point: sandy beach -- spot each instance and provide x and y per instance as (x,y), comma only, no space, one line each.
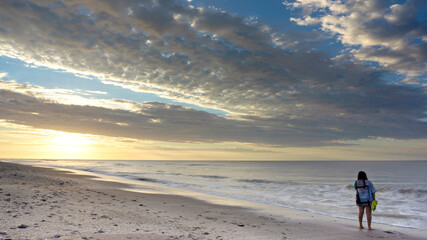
(42,203)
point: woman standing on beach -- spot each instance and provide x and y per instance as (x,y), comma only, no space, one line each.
(365,195)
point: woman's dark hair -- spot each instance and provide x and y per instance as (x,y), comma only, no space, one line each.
(362,176)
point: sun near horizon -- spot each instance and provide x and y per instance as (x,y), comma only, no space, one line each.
(50,144)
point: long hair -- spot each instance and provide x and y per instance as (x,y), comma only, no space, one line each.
(362,176)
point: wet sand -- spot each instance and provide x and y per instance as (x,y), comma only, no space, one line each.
(42,203)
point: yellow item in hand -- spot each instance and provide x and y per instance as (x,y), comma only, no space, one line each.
(374,205)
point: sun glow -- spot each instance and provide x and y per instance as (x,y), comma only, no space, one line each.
(71,144)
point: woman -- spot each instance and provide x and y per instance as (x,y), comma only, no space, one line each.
(365,195)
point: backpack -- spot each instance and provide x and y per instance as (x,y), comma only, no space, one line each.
(358,201)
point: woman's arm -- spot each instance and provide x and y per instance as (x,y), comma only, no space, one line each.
(373,196)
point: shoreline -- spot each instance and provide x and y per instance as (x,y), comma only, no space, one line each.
(44,203)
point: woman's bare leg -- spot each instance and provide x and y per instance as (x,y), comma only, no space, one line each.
(369,216)
(361,208)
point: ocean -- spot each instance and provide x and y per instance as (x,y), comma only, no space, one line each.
(317,186)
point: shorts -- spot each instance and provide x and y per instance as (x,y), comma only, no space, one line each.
(364,204)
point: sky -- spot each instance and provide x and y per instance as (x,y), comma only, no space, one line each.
(213,79)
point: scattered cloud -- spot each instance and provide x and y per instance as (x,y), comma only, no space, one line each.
(67,96)
(388,32)
(276,92)
(3,75)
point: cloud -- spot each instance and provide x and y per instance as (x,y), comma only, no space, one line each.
(394,35)
(3,75)
(155,121)
(66,96)
(277,94)
(174,123)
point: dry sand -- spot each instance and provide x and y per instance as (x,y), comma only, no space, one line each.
(42,203)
